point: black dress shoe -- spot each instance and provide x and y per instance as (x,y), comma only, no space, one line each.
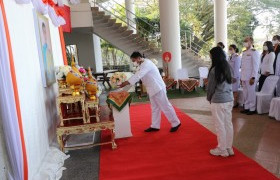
(251,112)
(245,111)
(236,106)
(174,129)
(150,129)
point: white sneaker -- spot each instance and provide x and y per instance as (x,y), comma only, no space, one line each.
(219,152)
(230,151)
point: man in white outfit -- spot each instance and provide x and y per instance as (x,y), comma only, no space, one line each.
(156,89)
(249,74)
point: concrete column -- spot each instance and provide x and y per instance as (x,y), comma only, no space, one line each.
(220,21)
(170,33)
(97,53)
(130,14)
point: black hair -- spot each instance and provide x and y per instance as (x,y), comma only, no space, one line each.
(270,49)
(222,68)
(221,44)
(269,46)
(276,37)
(233,46)
(136,54)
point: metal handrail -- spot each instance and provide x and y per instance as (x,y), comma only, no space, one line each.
(139,30)
(135,15)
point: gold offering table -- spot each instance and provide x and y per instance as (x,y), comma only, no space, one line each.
(106,122)
(71,108)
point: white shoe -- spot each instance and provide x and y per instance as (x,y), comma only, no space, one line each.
(219,152)
(230,151)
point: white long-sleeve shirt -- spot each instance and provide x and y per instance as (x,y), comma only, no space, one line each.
(277,68)
(150,76)
(267,63)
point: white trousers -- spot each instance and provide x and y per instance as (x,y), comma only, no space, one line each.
(249,94)
(222,114)
(159,102)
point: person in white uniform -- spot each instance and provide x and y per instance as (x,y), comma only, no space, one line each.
(235,64)
(249,73)
(156,89)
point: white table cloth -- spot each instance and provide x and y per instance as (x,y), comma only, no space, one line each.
(122,122)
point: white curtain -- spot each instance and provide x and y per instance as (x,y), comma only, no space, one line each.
(23,1)
(8,111)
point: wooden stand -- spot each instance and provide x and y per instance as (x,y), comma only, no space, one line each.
(66,103)
(76,127)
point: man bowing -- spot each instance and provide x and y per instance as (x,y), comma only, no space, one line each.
(156,89)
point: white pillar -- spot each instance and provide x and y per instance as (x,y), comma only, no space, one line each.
(97,53)
(130,14)
(170,33)
(220,21)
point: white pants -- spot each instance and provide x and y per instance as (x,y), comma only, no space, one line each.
(159,102)
(222,114)
(249,94)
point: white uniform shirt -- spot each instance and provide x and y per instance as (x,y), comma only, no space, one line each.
(150,76)
(235,63)
(277,68)
(250,64)
(267,63)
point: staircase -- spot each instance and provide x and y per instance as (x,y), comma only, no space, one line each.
(111,25)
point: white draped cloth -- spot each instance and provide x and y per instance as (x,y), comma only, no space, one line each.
(274,110)
(23,1)
(8,111)
(40,6)
(56,19)
(267,93)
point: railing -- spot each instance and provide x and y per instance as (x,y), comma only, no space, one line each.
(153,34)
(110,8)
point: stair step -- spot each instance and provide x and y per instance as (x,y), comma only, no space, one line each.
(117,25)
(111,22)
(134,36)
(127,33)
(122,29)
(94,9)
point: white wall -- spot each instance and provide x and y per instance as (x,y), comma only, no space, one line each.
(38,104)
(84,43)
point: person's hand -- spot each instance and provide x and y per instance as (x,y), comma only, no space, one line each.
(124,84)
(252,81)
(234,80)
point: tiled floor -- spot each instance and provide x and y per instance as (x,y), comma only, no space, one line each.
(256,136)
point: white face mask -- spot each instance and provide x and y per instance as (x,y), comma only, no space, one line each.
(274,42)
(135,64)
(265,48)
(231,52)
(246,44)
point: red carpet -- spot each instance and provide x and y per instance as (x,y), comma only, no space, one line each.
(173,156)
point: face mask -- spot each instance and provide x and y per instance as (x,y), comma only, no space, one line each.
(135,64)
(231,52)
(274,42)
(265,48)
(245,44)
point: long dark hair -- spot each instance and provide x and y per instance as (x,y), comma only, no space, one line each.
(270,49)
(222,68)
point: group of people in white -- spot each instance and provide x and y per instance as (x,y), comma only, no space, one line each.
(226,75)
